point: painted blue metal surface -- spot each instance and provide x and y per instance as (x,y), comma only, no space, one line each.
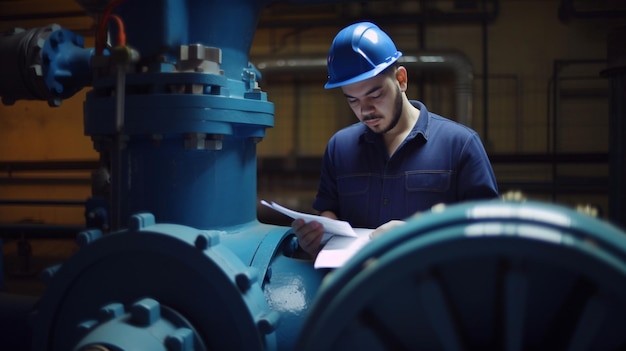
(183,147)
(237,289)
(489,276)
(204,189)
(47,63)
(66,63)
(144,325)
(188,153)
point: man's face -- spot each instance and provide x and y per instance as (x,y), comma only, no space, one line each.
(377,102)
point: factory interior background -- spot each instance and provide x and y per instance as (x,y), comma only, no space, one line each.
(536,96)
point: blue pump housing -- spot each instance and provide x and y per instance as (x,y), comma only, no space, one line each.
(192,114)
(176,116)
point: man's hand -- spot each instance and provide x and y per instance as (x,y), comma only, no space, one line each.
(309,235)
(385,227)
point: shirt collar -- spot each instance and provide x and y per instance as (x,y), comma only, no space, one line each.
(423,122)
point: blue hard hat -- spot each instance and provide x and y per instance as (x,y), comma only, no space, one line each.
(358,52)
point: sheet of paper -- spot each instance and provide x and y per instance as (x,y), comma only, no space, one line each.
(331,226)
(339,249)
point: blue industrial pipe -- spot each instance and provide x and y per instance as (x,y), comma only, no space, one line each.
(51,65)
(489,275)
(193,114)
(237,290)
(176,114)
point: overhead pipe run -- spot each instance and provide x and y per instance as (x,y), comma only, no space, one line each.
(452,61)
(616,73)
(382,12)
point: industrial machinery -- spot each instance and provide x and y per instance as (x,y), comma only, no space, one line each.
(479,276)
(175,114)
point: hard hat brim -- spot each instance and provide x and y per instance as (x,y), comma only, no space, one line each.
(366,75)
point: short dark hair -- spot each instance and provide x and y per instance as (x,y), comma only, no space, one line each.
(391,70)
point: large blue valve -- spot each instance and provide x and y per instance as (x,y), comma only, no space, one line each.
(479,276)
(157,285)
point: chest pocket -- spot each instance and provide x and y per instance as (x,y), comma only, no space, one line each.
(436,181)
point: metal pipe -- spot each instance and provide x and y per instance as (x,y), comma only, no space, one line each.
(338,18)
(454,61)
(44,231)
(42,202)
(47,63)
(616,71)
(192,114)
(45,165)
(485,37)
(568,10)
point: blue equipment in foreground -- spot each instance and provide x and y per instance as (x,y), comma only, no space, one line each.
(176,115)
(488,275)
(479,276)
(157,284)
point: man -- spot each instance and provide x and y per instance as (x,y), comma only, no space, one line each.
(400,159)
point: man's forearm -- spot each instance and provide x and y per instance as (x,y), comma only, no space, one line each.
(329,214)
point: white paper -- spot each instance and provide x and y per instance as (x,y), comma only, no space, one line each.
(340,240)
(331,226)
(339,249)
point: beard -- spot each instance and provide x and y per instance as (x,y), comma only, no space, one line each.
(396,113)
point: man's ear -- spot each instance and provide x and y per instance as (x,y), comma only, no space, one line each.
(401,76)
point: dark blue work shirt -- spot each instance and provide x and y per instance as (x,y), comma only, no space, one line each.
(440,161)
